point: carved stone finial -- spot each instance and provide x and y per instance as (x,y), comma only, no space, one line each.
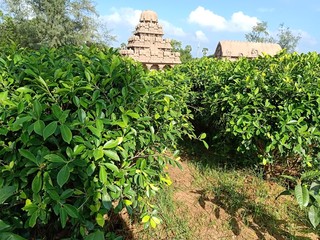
(149,16)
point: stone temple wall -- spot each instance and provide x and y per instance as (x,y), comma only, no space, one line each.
(148,46)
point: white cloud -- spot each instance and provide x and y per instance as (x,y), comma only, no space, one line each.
(201,36)
(206,18)
(122,16)
(170,29)
(130,17)
(122,22)
(239,22)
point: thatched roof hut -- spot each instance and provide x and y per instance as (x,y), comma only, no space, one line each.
(235,49)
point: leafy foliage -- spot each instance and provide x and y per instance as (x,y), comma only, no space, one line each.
(7,28)
(269,103)
(266,107)
(285,37)
(53,23)
(185,53)
(259,33)
(83,134)
(307,194)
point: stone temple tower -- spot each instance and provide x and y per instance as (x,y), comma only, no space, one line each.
(148,46)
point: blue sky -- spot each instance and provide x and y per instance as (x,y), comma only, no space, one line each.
(203,23)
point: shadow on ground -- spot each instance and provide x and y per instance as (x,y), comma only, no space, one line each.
(241,207)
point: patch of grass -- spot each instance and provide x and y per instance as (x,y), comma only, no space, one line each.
(174,225)
(243,194)
(238,201)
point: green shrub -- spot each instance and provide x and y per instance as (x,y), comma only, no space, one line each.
(270,104)
(267,107)
(83,134)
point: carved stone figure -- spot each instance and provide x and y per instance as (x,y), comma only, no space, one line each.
(148,46)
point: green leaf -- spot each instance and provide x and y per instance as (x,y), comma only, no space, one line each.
(78,149)
(3,226)
(36,183)
(87,73)
(28,155)
(66,133)
(95,131)
(20,121)
(3,96)
(57,112)
(24,90)
(54,195)
(20,107)
(113,143)
(100,220)
(112,167)
(54,158)
(63,216)
(143,164)
(67,193)
(10,236)
(314,216)
(156,220)
(63,175)
(202,136)
(90,169)
(153,223)
(97,235)
(103,175)
(71,210)
(152,130)
(98,153)
(49,129)
(112,154)
(37,108)
(145,219)
(81,115)
(63,117)
(205,144)
(6,192)
(127,202)
(106,200)
(133,114)
(43,83)
(302,195)
(39,127)
(33,218)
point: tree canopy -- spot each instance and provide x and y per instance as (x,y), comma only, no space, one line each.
(284,37)
(185,53)
(53,23)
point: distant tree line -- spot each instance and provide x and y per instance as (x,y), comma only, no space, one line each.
(284,37)
(53,23)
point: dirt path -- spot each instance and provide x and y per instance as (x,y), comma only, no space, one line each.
(208,220)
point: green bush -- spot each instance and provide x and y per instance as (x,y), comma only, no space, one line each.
(269,104)
(83,134)
(268,108)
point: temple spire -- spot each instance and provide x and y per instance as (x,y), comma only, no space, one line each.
(148,46)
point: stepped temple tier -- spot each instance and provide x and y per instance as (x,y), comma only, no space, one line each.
(148,46)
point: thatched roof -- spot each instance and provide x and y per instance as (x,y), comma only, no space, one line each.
(236,49)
